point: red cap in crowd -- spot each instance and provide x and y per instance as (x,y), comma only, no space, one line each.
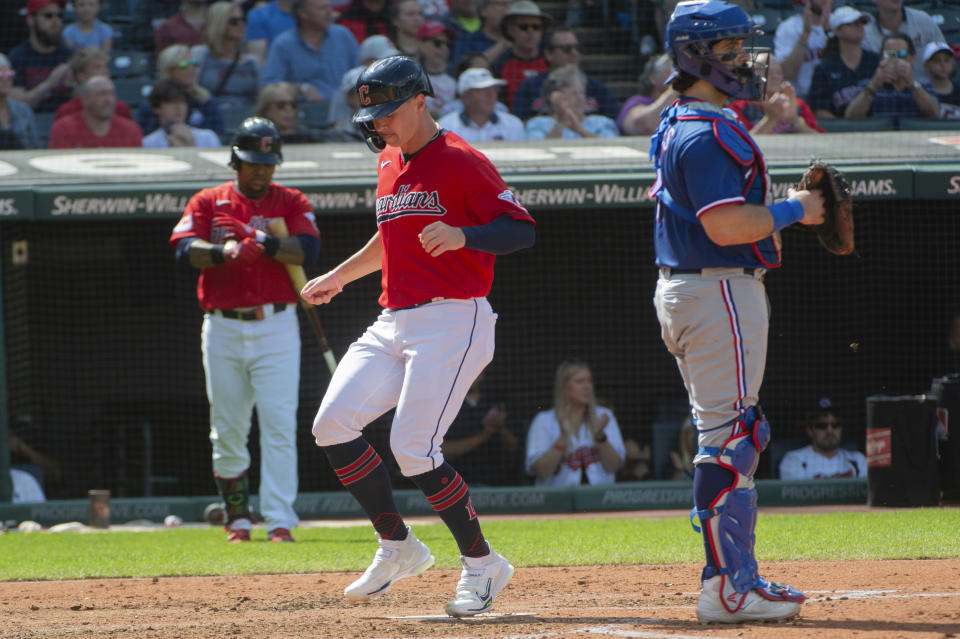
(35,5)
(432,28)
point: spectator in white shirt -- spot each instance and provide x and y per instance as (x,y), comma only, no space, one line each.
(824,458)
(799,41)
(480,121)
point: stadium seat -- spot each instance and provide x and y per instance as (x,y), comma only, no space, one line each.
(132,90)
(948,19)
(315,115)
(127,64)
(234,111)
(44,122)
(926,124)
(115,11)
(841,125)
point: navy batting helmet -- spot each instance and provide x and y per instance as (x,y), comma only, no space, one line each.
(256,141)
(694,27)
(382,88)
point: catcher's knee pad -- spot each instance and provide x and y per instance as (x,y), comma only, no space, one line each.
(741,451)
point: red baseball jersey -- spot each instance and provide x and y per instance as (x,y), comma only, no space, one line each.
(451,182)
(238,284)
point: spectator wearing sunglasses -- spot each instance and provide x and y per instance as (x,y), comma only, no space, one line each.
(43,79)
(560,48)
(893,91)
(183,27)
(523,25)
(226,69)
(436,41)
(203,111)
(892,17)
(825,457)
(279,103)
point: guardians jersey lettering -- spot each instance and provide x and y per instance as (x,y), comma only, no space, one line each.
(406,202)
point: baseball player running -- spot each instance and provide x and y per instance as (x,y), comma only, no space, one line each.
(443,213)
(716,233)
(250,338)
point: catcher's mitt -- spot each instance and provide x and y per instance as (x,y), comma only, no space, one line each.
(836,231)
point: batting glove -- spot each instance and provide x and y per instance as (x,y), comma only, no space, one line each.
(246,251)
(238,229)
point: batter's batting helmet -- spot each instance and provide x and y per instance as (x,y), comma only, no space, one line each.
(256,141)
(382,88)
(694,27)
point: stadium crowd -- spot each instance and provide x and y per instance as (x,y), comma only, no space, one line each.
(83,75)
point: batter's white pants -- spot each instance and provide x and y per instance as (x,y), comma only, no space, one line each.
(421,361)
(715,324)
(251,363)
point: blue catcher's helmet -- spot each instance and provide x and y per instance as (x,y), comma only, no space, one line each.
(694,27)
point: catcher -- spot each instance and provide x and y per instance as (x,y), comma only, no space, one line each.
(836,231)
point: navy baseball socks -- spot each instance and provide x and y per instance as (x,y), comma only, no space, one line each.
(485,573)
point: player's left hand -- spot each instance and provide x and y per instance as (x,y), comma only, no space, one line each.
(438,238)
(232,225)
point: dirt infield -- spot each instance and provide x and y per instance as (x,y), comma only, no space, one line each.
(864,599)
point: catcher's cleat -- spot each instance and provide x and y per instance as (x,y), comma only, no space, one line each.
(238,535)
(280,535)
(394,560)
(481,580)
(720,603)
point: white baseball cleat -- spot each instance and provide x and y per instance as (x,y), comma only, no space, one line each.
(752,606)
(395,560)
(481,580)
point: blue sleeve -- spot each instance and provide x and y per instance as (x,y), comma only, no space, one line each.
(145,118)
(311,248)
(703,156)
(274,66)
(524,97)
(182,253)
(503,235)
(537,127)
(256,25)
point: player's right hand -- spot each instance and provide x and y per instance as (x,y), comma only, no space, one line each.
(812,202)
(246,251)
(322,289)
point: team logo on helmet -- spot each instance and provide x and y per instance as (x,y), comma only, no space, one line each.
(266,144)
(363,94)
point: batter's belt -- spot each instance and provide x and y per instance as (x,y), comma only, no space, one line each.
(254,314)
(718,272)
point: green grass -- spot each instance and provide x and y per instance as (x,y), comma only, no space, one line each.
(913,534)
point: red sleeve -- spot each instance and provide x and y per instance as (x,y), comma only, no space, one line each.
(196,218)
(60,135)
(807,114)
(488,197)
(299,214)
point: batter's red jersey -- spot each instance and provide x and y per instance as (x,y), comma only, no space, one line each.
(238,284)
(451,182)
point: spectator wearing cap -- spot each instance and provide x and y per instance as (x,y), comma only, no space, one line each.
(177,63)
(98,124)
(170,104)
(488,39)
(941,64)
(523,25)
(43,79)
(471,61)
(365,18)
(18,126)
(915,24)
(893,91)
(85,64)
(183,27)
(479,121)
(404,20)
(799,41)
(343,129)
(781,111)
(560,48)
(566,97)
(225,68)
(844,65)
(266,22)
(436,40)
(315,55)
(373,48)
(280,103)
(824,457)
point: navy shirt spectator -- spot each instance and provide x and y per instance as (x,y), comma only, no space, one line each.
(315,55)
(177,64)
(561,48)
(836,80)
(43,78)
(893,91)
(265,23)
(488,39)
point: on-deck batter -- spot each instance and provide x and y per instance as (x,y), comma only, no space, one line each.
(250,338)
(443,213)
(715,235)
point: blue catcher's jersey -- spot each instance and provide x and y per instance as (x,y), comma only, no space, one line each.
(704,158)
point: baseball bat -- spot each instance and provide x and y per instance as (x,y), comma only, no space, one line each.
(298,277)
